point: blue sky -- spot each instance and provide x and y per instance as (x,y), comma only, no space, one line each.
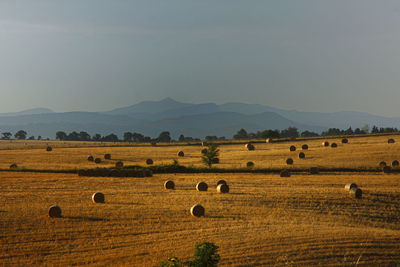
(94,55)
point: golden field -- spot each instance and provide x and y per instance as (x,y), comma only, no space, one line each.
(265,219)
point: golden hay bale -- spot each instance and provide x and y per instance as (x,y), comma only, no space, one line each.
(350,186)
(395,163)
(98,197)
(304,147)
(325,143)
(55,211)
(387,169)
(14,166)
(202,186)
(314,170)
(345,141)
(268,140)
(355,192)
(284,173)
(250,164)
(289,161)
(223,188)
(249,146)
(382,164)
(90,158)
(49,148)
(107,156)
(181,154)
(197,210)
(302,155)
(333,145)
(292,148)
(119,164)
(215,160)
(221,182)
(97,160)
(390,141)
(148,173)
(204,151)
(169,184)
(149,162)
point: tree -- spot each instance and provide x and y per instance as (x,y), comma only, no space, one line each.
(181,138)
(6,135)
(73,136)
(309,134)
(137,137)
(164,137)
(31,138)
(97,137)
(241,134)
(84,136)
(210,154)
(290,132)
(21,135)
(111,138)
(375,129)
(128,137)
(205,255)
(269,134)
(60,135)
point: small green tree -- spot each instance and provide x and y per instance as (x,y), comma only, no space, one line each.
(210,154)
(205,255)
(21,135)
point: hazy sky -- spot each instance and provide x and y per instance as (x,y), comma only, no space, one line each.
(94,55)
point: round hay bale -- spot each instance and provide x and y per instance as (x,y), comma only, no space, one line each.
(285,173)
(345,141)
(149,162)
(98,197)
(204,151)
(215,160)
(119,164)
(304,147)
(333,145)
(289,161)
(90,158)
(387,169)
(382,164)
(314,170)
(223,188)
(292,148)
(107,156)
(325,143)
(202,186)
(148,173)
(197,210)
(97,160)
(302,155)
(350,186)
(355,192)
(250,164)
(249,146)
(221,182)
(55,211)
(395,163)
(181,154)
(14,166)
(390,141)
(268,140)
(169,185)
(49,149)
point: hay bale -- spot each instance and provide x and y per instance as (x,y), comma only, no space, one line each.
(197,210)
(268,140)
(349,186)
(202,186)
(285,173)
(325,143)
(387,169)
(250,164)
(119,164)
(215,160)
(391,141)
(223,188)
(304,147)
(97,160)
(292,148)
(289,161)
(221,182)
(107,156)
(302,155)
(382,164)
(149,162)
(333,145)
(314,170)
(55,211)
(249,146)
(204,151)
(395,163)
(355,192)
(90,158)
(181,154)
(345,141)
(14,166)
(98,197)
(49,149)
(148,173)
(169,185)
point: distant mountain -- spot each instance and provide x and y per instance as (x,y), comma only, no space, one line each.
(28,112)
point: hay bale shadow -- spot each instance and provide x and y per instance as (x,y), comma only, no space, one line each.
(83,218)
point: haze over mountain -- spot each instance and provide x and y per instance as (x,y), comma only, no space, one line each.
(195,120)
